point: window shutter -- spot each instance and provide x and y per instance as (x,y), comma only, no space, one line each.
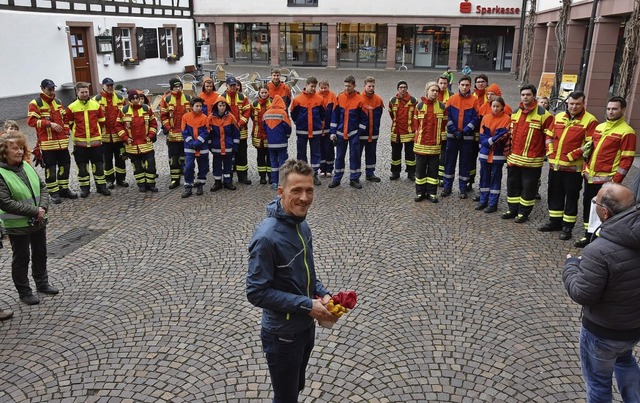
(163,43)
(117,44)
(140,43)
(180,49)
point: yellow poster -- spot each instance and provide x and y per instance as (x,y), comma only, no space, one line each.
(546,84)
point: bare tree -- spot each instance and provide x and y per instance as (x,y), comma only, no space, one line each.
(561,40)
(528,41)
(630,53)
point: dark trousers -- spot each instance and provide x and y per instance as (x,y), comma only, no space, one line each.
(427,174)
(443,152)
(563,194)
(473,162)
(94,156)
(240,161)
(114,151)
(590,191)
(490,182)
(522,185)
(458,151)
(287,358)
(263,161)
(409,157)
(190,168)
(314,150)
(354,158)
(56,169)
(34,244)
(327,154)
(369,150)
(175,151)
(277,157)
(222,167)
(144,168)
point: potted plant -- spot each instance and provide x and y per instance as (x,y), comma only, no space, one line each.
(131,61)
(173,57)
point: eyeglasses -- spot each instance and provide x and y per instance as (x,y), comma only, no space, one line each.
(594,201)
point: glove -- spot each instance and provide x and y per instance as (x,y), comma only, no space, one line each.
(123,154)
(458,135)
(586,149)
(153,138)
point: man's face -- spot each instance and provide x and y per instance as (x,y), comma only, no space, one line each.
(370,88)
(527,98)
(464,86)
(108,88)
(481,83)
(432,93)
(275,78)
(349,88)
(491,96)
(601,210)
(263,94)
(83,93)
(51,92)
(177,87)
(208,86)
(310,88)
(136,100)
(232,88)
(222,106)
(614,111)
(443,84)
(197,107)
(402,90)
(297,194)
(324,88)
(575,106)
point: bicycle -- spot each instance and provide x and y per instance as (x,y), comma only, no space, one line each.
(559,103)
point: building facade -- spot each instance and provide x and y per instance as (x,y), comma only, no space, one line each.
(362,33)
(602,76)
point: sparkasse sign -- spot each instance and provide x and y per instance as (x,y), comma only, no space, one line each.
(466,7)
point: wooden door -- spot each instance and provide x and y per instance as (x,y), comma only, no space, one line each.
(80,54)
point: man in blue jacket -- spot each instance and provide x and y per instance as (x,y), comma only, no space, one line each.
(281,280)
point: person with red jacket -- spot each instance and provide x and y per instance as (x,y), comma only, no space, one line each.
(443,96)
(494,130)
(348,123)
(373,107)
(224,141)
(46,115)
(429,124)
(208,95)
(277,125)
(327,153)
(307,112)
(259,135)
(172,107)
(195,133)
(137,127)
(401,110)
(240,108)
(531,126)
(112,145)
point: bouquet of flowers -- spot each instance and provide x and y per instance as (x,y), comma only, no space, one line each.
(340,304)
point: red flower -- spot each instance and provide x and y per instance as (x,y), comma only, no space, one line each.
(347,299)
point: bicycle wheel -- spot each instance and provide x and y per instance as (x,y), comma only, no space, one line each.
(557,105)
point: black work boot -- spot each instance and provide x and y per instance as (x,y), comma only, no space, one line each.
(199,191)
(187,192)
(217,185)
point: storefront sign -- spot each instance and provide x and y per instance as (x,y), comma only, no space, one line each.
(466,7)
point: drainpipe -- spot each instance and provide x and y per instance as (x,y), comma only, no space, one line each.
(587,48)
(523,16)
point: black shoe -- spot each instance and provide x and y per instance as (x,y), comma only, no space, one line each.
(481,206)
(48,289)
(491,209)
(520,218)
(476,198)
(355,183)
(373,178)
(334,184)
(142,188)
(582,242)
(242,178)
(566,234)
(316,181)
(187,192)
(537,196)
(508,215)
(470,187)
(550,226)
(263,180)
(420,197)
(110,185)
(174,184)
(84,193)
(55,198)
(199,190)
(230,186)
(463,195)
(217,185)
(30,299)
(394,176)
(445,192)
(433,198)
(122,184)
(411,177)
(68,194)
(152,188)
(103,191)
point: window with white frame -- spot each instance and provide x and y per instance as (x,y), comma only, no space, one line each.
(127,52)
(170,46)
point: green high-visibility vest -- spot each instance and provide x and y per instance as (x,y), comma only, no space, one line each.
(21,193)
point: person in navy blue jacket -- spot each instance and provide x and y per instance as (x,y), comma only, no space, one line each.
(281,279)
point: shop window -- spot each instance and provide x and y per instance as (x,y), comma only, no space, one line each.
(362,43)
(251,42)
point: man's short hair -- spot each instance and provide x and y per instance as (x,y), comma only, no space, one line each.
(323,81)
(369,79)
(276,70)
(312,80)
(482,76)
(531,87)
(82,85)
(350,80)
(612,200)
(195,100)
(464,78)
(444,76)
(620,100)
(293,166)
(577,95)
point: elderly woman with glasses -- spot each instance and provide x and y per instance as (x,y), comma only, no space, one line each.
(23,212)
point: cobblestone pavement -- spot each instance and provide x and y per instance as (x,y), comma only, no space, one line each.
(455,305)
